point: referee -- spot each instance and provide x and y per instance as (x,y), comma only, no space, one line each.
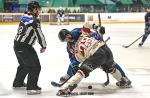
(29,31)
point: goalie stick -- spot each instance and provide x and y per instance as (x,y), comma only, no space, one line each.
(126,46)
(55,84)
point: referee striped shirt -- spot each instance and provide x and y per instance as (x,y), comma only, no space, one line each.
(29,31)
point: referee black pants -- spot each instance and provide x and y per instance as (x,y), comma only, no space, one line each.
(28,65)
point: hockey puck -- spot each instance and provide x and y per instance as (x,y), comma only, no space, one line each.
(90,87)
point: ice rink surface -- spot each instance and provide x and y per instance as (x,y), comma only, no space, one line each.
(135,62)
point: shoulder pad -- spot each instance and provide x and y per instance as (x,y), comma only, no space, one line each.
(26,18)
(76,33)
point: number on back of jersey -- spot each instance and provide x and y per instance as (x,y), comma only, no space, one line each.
(85,44)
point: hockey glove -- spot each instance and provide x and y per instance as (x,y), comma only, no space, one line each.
(101,30)
(94,27)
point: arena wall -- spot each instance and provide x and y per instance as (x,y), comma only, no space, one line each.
(79,18)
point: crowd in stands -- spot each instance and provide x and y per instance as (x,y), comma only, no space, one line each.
(137,6)
(66,11)
(102,10)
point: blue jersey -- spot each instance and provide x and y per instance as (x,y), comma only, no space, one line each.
(60,13)
(147,20)
(75,33)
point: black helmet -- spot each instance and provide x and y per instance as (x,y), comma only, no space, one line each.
(32,5)
(62,34)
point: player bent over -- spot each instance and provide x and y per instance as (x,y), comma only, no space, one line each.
(74,34)
(93,53)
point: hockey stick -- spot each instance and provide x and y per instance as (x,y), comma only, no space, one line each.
(107,39)
(126,46)
(99,19)
(107,82)
(55,84)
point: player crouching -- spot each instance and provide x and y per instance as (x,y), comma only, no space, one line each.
(92,54)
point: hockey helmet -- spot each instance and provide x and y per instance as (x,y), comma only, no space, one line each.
(148,9)
(32,5)
(62,34)
(86,27)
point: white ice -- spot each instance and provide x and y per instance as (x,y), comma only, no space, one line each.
(135,62)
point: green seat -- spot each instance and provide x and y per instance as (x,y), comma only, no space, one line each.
(146,2)
(46,3)
(1,4)
(126,1)
(111,6)
(87,2)
(62,3)
(106,2)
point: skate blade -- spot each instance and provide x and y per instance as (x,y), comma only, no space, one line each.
(33,92)
(127,86)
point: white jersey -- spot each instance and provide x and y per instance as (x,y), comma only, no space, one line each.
(86,46)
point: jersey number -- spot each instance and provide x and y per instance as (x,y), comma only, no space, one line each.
(84,44)
(20,29)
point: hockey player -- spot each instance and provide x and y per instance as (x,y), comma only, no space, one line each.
(60,17)
(93,53)
(75,33)
(29,31)
(73,66)
(147,27)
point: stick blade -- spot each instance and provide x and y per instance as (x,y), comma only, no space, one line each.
(125,46)
(106,83)
(55,84)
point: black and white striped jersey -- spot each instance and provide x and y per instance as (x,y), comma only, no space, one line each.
(29,31)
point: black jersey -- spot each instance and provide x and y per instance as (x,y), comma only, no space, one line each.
(29,31)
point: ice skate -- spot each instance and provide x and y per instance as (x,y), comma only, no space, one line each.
(124,83)
(34,91)
(67,91)
(24,85)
